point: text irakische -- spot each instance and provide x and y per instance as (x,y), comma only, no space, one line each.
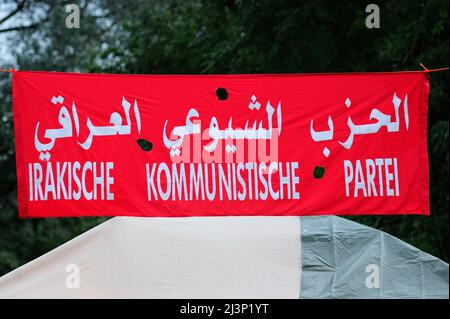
(67,181)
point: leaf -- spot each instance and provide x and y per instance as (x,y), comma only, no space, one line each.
(145,145)
(222,94)
(318,172)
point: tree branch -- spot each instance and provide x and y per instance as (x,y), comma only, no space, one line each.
(20,6)
(24,27)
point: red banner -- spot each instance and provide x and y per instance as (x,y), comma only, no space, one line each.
(191,145)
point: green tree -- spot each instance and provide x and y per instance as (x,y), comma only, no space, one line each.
(38,43)
(226,36)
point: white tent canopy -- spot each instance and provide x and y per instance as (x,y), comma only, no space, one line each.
(230,257)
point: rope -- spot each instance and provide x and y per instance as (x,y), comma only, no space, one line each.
(11,70)
(5,70)
(432,70)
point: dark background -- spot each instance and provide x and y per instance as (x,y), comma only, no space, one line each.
(205,36)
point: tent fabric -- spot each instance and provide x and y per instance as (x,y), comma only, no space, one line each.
(138,257)
(231,257)
(336,252)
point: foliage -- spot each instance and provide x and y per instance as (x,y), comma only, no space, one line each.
(225,36)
